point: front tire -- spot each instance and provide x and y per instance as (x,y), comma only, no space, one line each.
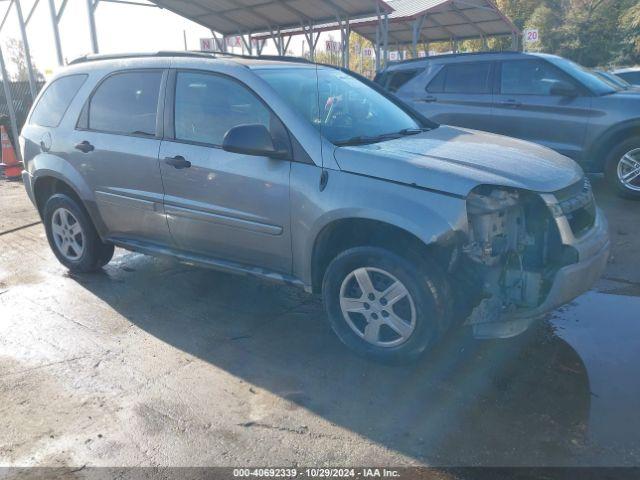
(622,168)
(72,236)
(383,306)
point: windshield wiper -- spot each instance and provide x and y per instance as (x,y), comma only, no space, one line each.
(367,139)
(413,131)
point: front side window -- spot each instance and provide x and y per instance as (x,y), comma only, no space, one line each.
(582,75)
(340,106)
(55,100)
(467,78)
(529,77)
(207,106)
(126,103)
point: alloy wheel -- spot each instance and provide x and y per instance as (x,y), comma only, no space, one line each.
(67,234)
(377,307)
(629,170)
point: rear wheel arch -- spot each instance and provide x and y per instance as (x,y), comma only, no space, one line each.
(343,234)
(598,152)
(46,186)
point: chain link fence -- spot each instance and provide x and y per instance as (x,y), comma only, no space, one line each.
(22,102)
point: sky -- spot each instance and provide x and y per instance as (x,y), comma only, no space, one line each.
(121,28)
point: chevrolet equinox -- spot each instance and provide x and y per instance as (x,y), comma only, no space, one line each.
(312,176)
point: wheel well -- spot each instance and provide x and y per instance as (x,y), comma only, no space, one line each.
(602,147)
(348,233)
(48,186)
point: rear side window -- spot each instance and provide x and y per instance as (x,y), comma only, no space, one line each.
(396,79)
(55,100)
(469,78)
(126,103)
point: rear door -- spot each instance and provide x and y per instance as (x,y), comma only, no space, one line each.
(459,94)
(526,108)
(115,147)
(225,205)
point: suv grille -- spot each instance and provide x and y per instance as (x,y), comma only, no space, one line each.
(576,202)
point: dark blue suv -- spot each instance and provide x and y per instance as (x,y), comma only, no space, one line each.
(536,97)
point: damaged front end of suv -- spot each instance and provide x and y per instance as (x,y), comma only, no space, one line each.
(526,253)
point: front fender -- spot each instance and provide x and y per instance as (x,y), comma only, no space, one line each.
(427,215)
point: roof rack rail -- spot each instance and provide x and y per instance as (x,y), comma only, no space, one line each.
(451,55)
(280,58)
(183,53)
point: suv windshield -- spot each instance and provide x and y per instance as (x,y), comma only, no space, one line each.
(585,76)
(344,109)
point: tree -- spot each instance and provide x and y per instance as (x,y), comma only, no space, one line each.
(630,36)
(547,22)
(16,56)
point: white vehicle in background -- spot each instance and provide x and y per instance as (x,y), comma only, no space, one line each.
(631,75)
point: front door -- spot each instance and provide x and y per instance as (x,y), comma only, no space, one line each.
(220,204)
(116,149)
(525,107)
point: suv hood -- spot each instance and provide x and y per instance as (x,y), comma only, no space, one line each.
(456,160)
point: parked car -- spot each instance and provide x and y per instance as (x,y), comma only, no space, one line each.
(314,177)
(631,75)
(541,98)
(615,79)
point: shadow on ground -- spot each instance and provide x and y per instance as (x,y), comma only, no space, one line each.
(519,402)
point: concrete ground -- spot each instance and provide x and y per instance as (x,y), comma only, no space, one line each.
(155,363)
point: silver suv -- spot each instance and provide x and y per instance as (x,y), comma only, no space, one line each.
(311,176)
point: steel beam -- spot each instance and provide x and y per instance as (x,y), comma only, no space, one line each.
(91,5)
(385,38)
(10,106)
(30,14)
(61,11)
(6,14)
(416,29)
(27,50)
(56,31)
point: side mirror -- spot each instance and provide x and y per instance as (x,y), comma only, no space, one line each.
(563,89)
(252,139)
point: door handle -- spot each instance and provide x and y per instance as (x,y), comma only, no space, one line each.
(511,103)
(178,162)
(85,147)
(429,99)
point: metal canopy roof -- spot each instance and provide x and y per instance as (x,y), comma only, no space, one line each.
(230,17)
(443,20)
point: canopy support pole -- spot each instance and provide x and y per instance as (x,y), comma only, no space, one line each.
(247,43)
(385,38)
(56,31)
(10,106)
(91,6)
(416,29)
(27,52)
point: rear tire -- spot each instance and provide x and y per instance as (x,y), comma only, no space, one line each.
(623,160)
(72,236)
(371,322)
